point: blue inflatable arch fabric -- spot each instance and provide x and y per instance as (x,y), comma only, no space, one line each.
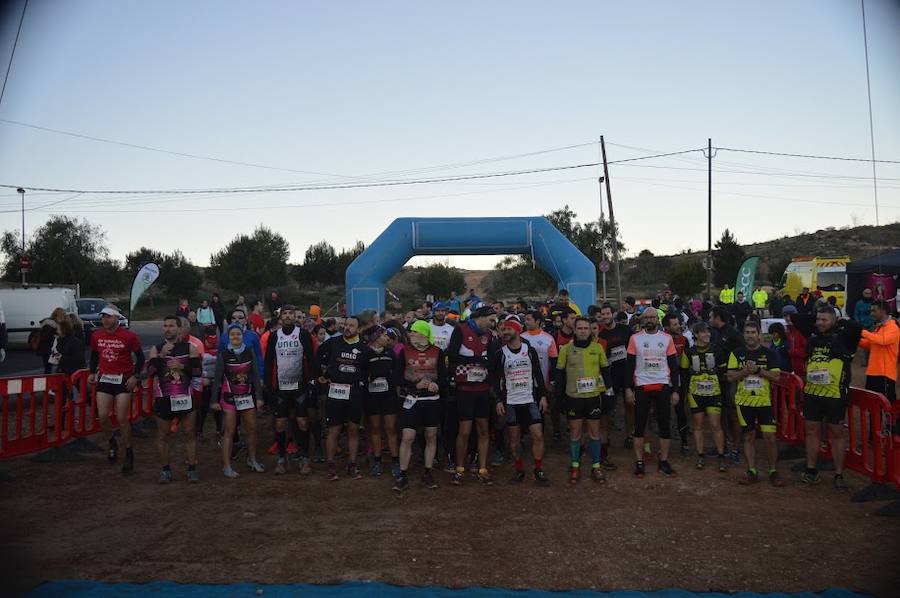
(408,237)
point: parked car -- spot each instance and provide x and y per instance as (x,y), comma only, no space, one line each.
(25,308)
(89,312)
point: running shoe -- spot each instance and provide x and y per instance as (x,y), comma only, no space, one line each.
(273,450)
(597,474)
(280,468)
(292,448)
(255,466)
(749,477)
(497,459)
(318,457)
(685,450)
(165,476)
(395,469)
(128,465)
(428,480)
(517,478)
(639,469)
(574,474)
(485,478)
(229,473)
(609,465)
(113,454)
(840,484)
(723,464)
(353,471)
(376,469)
(450,467)
(193,476)
(332,473)
(457,479)
(401,483)
(304,466)
(665,469)
(701,462)
(540,478)
(775,479)
(809,479)
(734,455)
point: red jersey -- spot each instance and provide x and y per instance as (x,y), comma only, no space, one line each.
(115,349)
(256,323)
(680,344)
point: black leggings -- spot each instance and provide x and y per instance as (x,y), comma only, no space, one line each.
(660,401)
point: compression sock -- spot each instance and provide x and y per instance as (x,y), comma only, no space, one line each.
(520,465)
(539,464)
(303,442)
(575,452)
(281,439)
(596,450)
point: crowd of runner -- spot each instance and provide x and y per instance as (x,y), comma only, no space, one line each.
(461,383)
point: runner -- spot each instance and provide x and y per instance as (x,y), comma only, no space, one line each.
(381,402)
(470,353)
(616,335)
(673,327)
(521,396)
(113,372)
(582,377)
(727,339)
(566,330)
(825,398)
(345,359)
(754,368)
(652,382)
(701,367)
(440,329)
(422,379)
(251,339)
(236,389)
(289,370)
(174,365)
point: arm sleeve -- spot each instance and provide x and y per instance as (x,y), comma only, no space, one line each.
(606,373)
(95,360)
(311,367)
(674,371)
(537,373)
(138,359)
(257,387)
(217,377)
(443,380)
(323,356)
(453,350)
(401,372)
(495,374)
(269,361)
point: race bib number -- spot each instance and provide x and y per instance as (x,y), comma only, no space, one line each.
(243,402)
(753,383)
(379,385)
(586,384)
(652,364)
(111,378)
(618,353)
(180,403)
(818,377)
(347,369)
(705,388)
(340,392)
(476,374)
(286,385)
(409,401)
(441,342)
(519,384)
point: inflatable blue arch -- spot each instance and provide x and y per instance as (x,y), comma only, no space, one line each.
(408,237)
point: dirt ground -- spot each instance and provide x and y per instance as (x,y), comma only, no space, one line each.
(698,531)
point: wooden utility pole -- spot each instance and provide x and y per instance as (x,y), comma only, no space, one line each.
(612,225)
(709,255)
(602,236)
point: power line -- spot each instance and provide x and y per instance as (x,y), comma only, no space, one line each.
(768,153)
(13,53)
(820,176)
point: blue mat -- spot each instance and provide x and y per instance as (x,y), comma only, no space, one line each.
(167,588)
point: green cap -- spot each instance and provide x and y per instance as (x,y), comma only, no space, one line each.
(423,328)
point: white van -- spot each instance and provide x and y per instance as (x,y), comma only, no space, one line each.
(25,307)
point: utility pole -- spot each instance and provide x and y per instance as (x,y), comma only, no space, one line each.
(612,225)
(709,255)
(21,192)
(602,236)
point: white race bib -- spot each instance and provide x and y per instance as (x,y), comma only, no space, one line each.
(618,353)
(243,402)
(476,374)
(705,388)
(753,383)
(285,385)
(180,403)
(818,377)
(409,401)
(441,342)
(340,392)
(585,385)
(111,378)
(379,385)
(652,364)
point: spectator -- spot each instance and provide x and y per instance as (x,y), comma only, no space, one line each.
(218,309)
(68,349)
(194,324)
(47,337)
(796,342)
(780,346)
(255,320)
(183,308)
(805,302)
(274,303)
(776,302)
(760,299)
(205,314)
(862,311)
(240,304)
(832,303)
(741,309)
(883,344)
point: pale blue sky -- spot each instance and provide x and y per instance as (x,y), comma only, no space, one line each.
(358,88)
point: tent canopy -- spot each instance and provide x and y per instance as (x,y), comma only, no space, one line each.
(886,263)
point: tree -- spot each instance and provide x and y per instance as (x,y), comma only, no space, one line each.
(439,279)
(136,259)
(252,262)
(727,259)
(179,276)
(64,250)
(687,277)
(345,258)
(318,265)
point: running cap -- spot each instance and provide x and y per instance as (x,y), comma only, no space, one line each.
(109,310)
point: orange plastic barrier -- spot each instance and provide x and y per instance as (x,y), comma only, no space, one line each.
(787,400)
(870,447)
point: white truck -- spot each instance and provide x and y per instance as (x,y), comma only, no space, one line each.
(26,306)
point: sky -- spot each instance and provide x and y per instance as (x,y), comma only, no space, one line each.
(358,92)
